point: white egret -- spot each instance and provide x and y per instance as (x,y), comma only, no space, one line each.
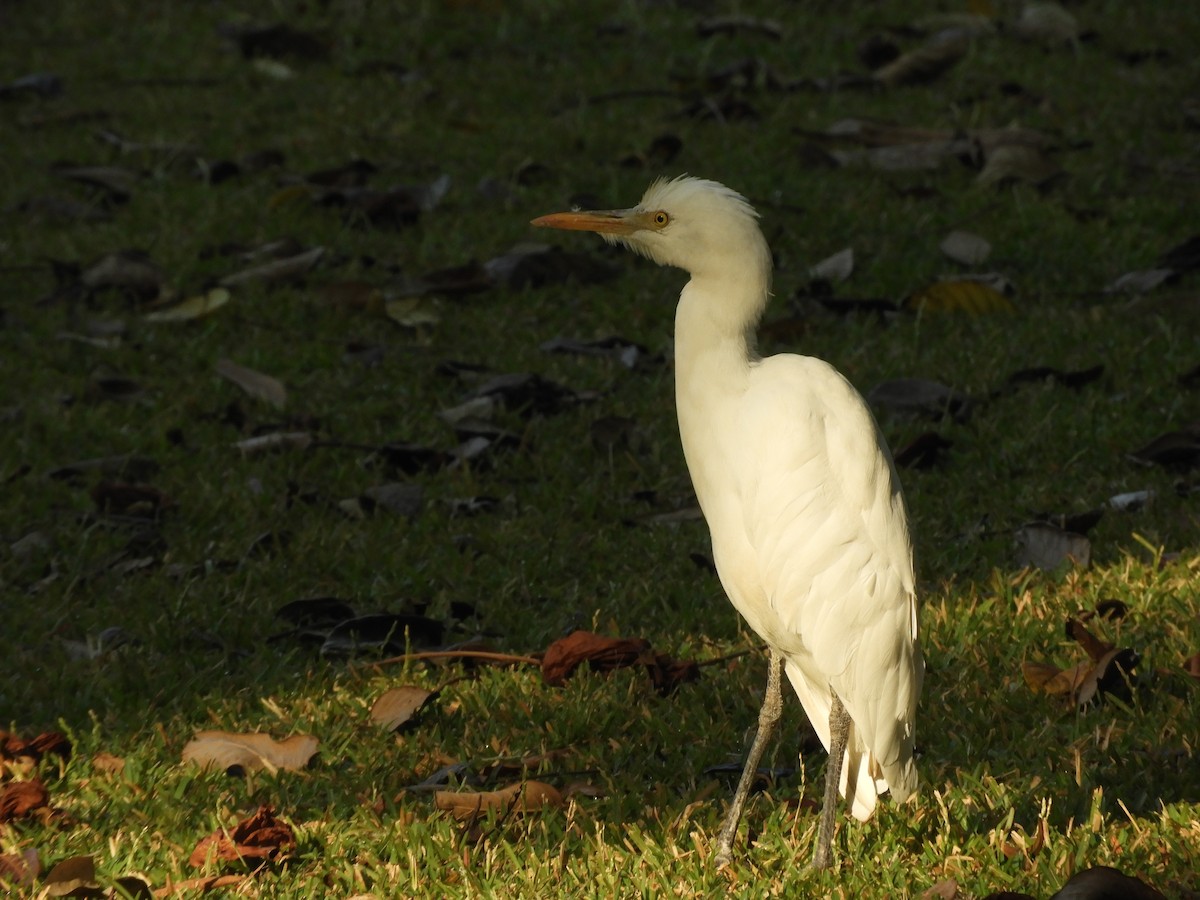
(809,531)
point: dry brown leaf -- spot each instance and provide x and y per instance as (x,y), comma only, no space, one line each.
(196,307)
(249,752)
(107,764)
(564,656)
(76,873)
(19,869)
(520,798)
(261,837)
(1191,665)
(1048,678)
(20,798)
(397,706)
(256,384)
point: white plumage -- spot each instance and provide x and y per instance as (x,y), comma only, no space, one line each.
(809,531)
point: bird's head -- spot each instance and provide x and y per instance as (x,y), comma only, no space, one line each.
(694,224)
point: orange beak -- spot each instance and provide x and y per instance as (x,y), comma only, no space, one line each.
(607,221)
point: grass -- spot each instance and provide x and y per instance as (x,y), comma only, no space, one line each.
(482,91)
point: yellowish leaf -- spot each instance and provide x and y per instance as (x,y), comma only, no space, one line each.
(967,296)
(192,308)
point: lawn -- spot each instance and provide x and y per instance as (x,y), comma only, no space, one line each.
(297,409)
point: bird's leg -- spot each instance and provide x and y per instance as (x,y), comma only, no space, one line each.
(839,734)
(768,718)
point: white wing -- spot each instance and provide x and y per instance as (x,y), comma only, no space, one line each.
(820,562)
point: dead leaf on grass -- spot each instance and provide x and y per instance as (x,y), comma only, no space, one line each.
(383,633)
(131,272)
(965,247)
(927,62)
(19,799)
(73,877)
(196,307)
(398,706)
(946,889)
(278,440)
(604,654)
(1046,547)
(1048,678)
(1140,282)
(260,838)
(1047,23)
(520,798)
(277,271)
(106,763)
(1173,450)
(1010,163)
(835,268)
(920,397)
(249,752)
(19,869)
(256,384)
(959,295)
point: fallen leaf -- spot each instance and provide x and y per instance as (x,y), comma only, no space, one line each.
(256,384)
(383,633)
(1140,282)
(19,798)
(1110,675)
(130,271)
(565,655)
(278,440)
(402,499)
(946,889)
(107,764)
(400,705)
(412,312)
(1010,163)
(73,877)
(1173,450)
(520,798)
(277,41)
(19,869)
(969,296)
(919,397)
(927,62)
(834,268)
(1050,679)
(1191,665)
(922,452)
(240,753)
(1047,547)
(277,271)
(196,307)
(261,837)
(965,247)
(1046,23)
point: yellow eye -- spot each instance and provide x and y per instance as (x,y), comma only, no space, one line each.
(661,219)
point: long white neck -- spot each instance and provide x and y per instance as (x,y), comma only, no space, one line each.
(714,352)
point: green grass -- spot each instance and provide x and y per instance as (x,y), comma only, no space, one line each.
(479,90)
